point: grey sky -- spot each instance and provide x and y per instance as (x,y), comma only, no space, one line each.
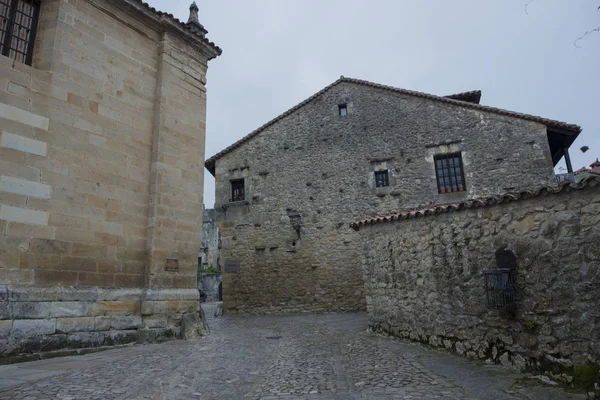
(276,53)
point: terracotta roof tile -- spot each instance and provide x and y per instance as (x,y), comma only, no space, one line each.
(210,163)
(591,181)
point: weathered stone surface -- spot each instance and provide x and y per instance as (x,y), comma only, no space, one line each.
(85,339)
(33,327)
(124,322)
(30,309)
(68,309)
(5,327)
(81,324)
(192,326)
(423,278)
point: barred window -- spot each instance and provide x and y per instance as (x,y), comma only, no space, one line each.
(449,172)
(18,23)
(237,190)
(382,178)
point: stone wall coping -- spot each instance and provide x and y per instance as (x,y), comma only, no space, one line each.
(588,182)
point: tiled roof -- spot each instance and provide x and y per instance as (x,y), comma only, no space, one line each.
(210,163)
(190,28)
(474,96)
(591,181)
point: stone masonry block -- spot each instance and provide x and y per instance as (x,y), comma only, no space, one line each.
(119,294)
(24,187)
(79,294)
(5,312)
(172,294)
(21,143)
(24,117)
(33,327)
(23,215)
(30,310)
(85,339)
(155,321)
(33,294)
(102,323)
(68,309)
(3,293)
(5,327)
(124,322)
(77,324)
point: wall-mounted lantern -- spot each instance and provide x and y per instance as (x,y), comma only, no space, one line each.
(295,220)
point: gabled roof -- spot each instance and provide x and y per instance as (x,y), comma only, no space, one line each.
(189,28)
(551,124)
(590,181)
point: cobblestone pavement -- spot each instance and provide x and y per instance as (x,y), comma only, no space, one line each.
(271,357)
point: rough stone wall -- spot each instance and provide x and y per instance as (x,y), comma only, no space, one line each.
(210,251)
(101,154)
(322,165)
(423,280)
(209,284)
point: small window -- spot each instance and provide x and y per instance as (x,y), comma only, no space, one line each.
(382,178)
(237,190)
(342,109)
(449,172)
(18,23)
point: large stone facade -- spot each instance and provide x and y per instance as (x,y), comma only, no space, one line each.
(424,279)
(320,163)
(101,154)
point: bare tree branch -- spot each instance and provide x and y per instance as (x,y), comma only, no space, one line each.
(585,34)
(527,5)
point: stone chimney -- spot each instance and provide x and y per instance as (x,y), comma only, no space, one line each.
(595,166)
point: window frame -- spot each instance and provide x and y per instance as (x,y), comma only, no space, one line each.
(14,7)
(385,181)
(343,110)
(233,183)
(453,176)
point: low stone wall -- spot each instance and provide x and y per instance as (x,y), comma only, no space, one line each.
(34,321)
(423,279)
(209,283)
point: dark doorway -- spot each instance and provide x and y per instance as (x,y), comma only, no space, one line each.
(221,291)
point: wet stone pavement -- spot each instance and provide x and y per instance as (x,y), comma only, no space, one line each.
(272,357)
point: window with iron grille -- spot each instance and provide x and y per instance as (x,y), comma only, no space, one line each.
(382,178)
(449,172)
(500,288)
(237,190)
(18,23)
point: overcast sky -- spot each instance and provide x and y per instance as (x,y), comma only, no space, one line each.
(276,53)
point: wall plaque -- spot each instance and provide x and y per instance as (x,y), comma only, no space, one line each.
(232,266)
(172,265)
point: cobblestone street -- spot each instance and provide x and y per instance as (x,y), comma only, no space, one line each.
(271,357)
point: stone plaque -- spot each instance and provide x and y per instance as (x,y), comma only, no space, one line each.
(172,265)
(232,266)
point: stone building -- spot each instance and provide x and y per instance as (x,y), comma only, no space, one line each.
(512,278)
(285,192)
(102,128)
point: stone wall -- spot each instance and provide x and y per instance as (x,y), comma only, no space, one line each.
(209,283)
(423,279)
(322,165)
(101,152)
(210,250)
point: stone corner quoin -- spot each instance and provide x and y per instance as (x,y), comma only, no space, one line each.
(102,131)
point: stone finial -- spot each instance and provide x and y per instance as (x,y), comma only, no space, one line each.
(193,14)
